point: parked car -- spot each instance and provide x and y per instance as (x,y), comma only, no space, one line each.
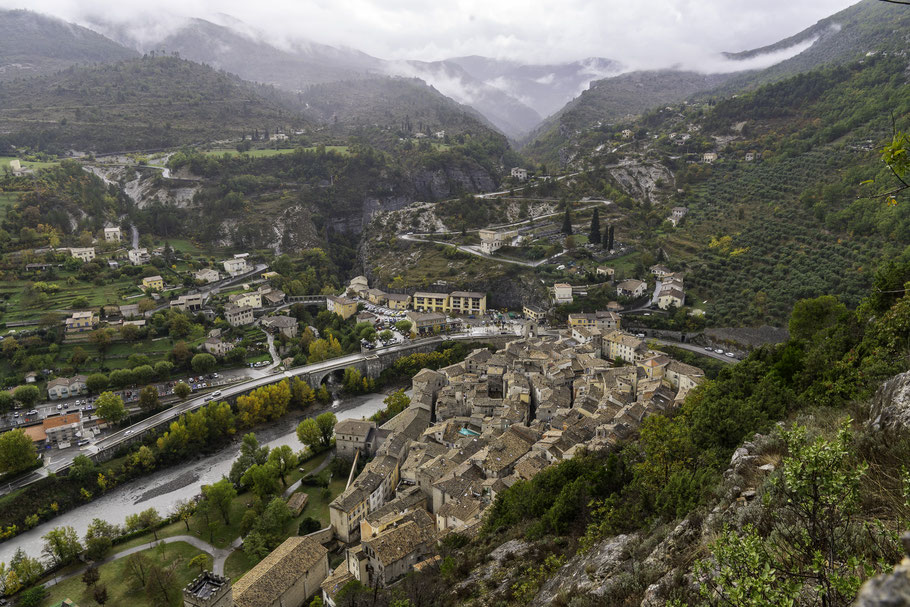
(82,442)
(730,354)
(59,406)
(33,412)
(718,351)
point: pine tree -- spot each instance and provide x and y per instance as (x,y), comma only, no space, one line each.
(595,227)
(567,223)
(612,231)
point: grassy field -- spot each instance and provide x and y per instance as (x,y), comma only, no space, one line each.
(114,574)
(115,578)
(5,160)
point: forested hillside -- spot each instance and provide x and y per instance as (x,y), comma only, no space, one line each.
(145,103)
(797,221)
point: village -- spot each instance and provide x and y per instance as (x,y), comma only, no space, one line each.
(471,430)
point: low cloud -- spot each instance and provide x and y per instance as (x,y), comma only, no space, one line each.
(653,34)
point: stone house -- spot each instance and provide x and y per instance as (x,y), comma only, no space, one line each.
(290,575)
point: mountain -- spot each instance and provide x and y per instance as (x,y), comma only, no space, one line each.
(545,88)
(386,110)
(866,27)
(511,116)
(248,55)
(612,100)
(34,45)
(150,102)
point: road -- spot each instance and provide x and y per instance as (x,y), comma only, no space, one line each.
(473,251)
(696,349)
(237,389)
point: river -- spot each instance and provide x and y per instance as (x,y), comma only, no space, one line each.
(163,489)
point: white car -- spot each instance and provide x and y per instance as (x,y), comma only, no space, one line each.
(718,351)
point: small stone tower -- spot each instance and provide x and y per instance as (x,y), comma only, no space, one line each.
(208,590)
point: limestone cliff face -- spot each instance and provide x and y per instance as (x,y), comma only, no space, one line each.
(448,182)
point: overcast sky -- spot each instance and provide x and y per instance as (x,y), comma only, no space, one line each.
(642,33)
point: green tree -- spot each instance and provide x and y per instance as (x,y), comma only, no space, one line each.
(99,537)
(161,585)
(317,433)
(203,363)
(110,407)
(567,222)
(137,568)
(182,390)
(83,470)
(302,395)
(6,402)
(813,548)
(90,576)
(220,495)
(61,545)
(17,451)
(285,460)
(811,316)
(148,398)
(163,369)
(96,382)
(144,374)
(326,422)
(743,575)
(404,326)
(101,338)
(184,510)
(78,357)
(100,594)
(261,479)
(33,597)
(27,395)
(594,234)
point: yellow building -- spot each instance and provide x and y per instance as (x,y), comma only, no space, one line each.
(587,321)
(155,283)
(376,296)
(532,312)
(431,302)
(342,306)
(396,301)
(80,322)
(467,302)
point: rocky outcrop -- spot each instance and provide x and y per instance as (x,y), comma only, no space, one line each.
(447,182)
(889,590)
(890,408)
(593,572)
(642,181)
(652,568)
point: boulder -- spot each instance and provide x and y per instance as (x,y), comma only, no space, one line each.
(890,408)
(889,590)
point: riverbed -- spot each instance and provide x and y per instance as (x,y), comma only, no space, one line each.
(163,489)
